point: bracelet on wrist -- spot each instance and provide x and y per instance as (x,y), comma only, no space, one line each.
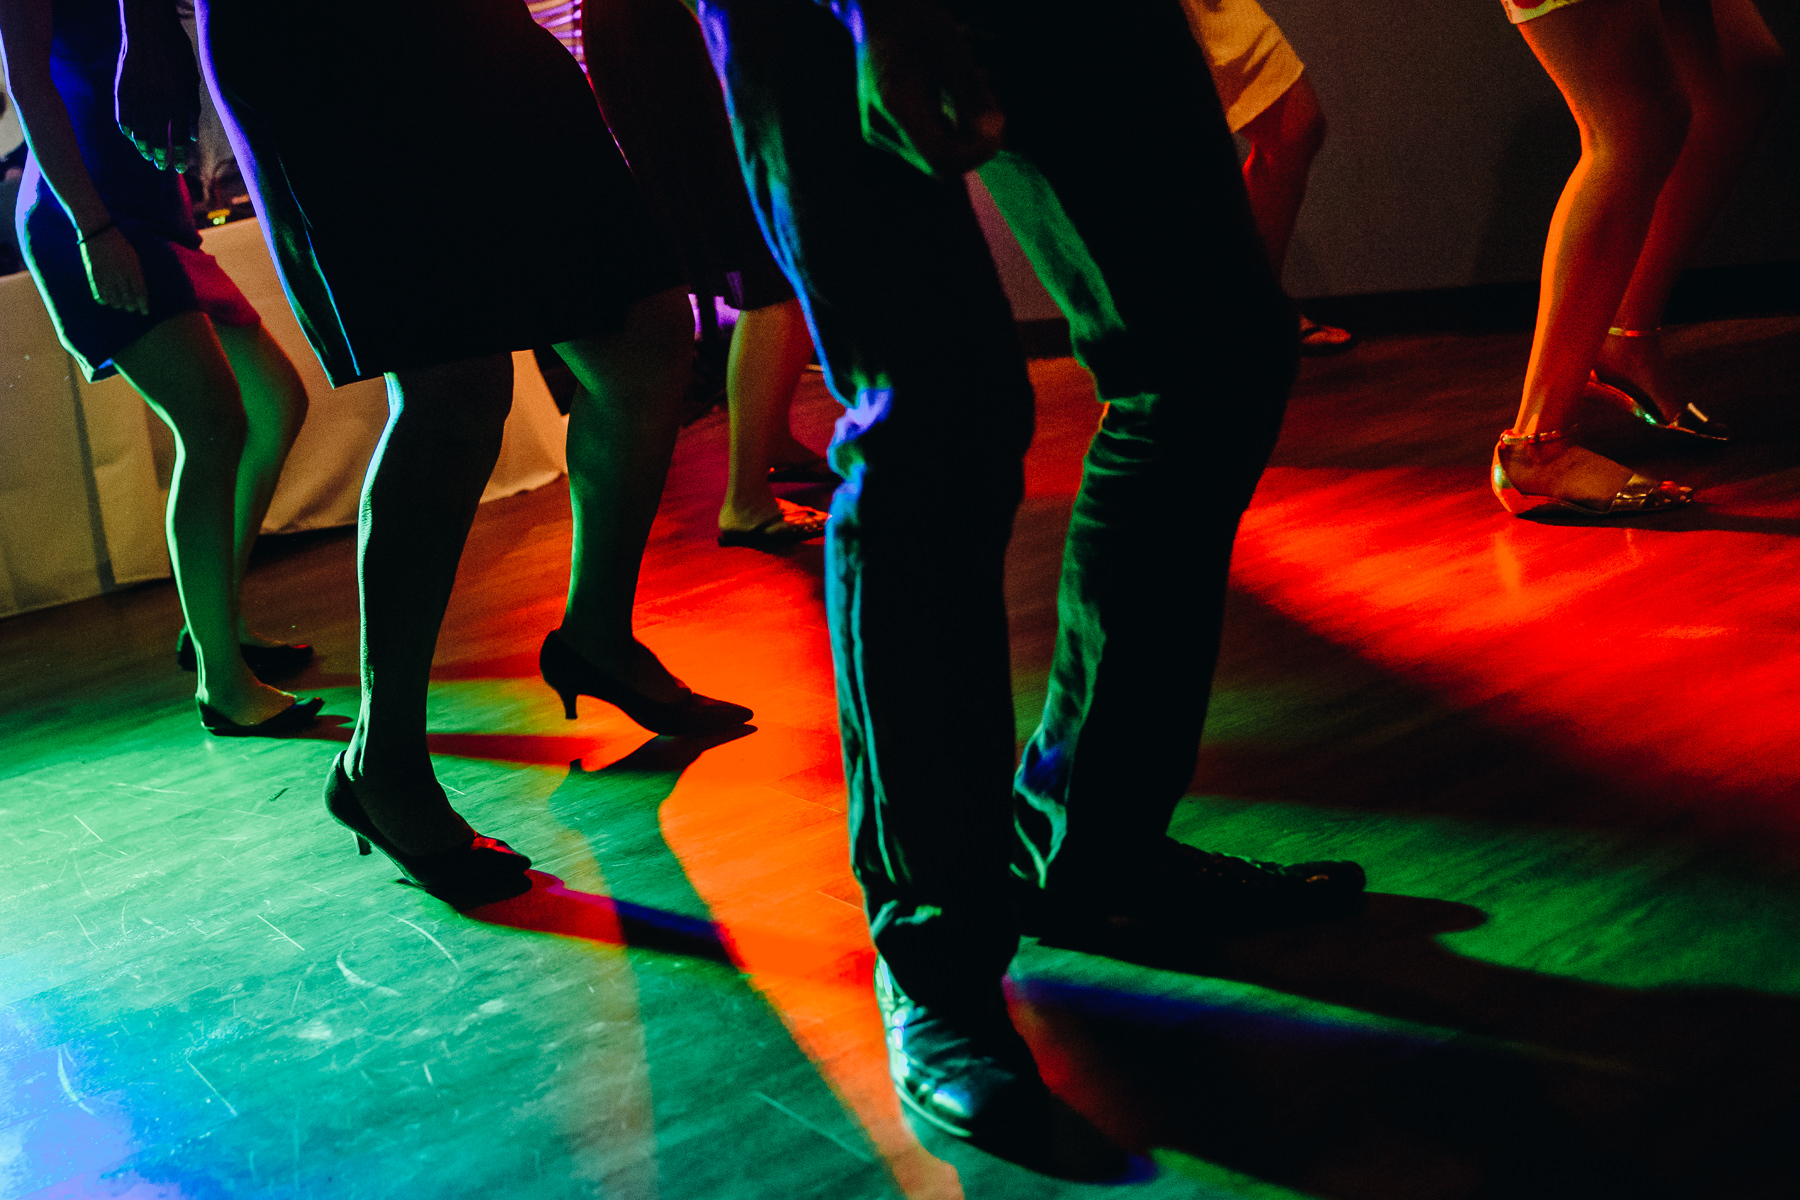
(82,239)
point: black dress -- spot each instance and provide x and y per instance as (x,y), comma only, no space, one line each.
(648,63)
(434,178)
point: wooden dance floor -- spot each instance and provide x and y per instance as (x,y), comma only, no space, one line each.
(1568,755)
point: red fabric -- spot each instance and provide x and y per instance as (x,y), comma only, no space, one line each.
(219,298)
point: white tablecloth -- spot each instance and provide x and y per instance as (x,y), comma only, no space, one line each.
(84,467)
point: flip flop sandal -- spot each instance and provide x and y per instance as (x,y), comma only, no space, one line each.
(1324,339)
(778,533)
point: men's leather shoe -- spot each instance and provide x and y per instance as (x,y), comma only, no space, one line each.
(965,1070)
(1191,890)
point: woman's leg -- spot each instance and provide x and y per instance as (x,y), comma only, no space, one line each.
(181,370)
(769,351)
(621,434)
(443,435)
(1284,138)
(1731,70)
(274,408)
(1612,63)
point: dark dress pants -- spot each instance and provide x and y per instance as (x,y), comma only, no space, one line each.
(1121,182)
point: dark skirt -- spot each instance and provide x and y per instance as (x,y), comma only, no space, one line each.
(178,278)
(434,178)
(655,82)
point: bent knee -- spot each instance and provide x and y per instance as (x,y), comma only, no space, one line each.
(1288,134)
(1645,136)
(472,395)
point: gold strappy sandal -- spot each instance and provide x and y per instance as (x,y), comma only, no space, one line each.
(1640,495)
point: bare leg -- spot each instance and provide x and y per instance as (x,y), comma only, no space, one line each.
(1611,60)
(274,408)
(443,435)
(1284,139)
(769,350)
(1731,70)
(621,434)
(181,371)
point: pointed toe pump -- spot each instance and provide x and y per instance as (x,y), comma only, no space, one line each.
(485,870)
(1640,495)
(292,719)
(571,675)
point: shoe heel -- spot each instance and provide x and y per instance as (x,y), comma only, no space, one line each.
(362,845)
(1511,498)
(568,699)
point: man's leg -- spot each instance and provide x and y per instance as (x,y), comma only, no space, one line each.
(1122,183)
(917,340)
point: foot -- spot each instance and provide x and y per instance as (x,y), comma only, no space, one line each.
(250,637)
(965,1070)
(789,525)
(685,713)
(471,872)
(628,662)
(1180,889)
(1638,363)
(1633,369)
(1323,339)
(1560,470)
(266,657)
(246,700)
(408,807)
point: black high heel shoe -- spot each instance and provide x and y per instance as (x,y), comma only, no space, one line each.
(265,662)
(294,717)
(485,870)
(571,675)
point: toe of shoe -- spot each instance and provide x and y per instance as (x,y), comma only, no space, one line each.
(978,1099)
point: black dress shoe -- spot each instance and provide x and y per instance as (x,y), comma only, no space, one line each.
(1179,888)
(265,662)
(965,1069)
(571,675)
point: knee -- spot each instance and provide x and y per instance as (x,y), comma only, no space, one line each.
(651,356)
(461,402)
(660,330)
(1305,127)
(1645,137)
(1287,136)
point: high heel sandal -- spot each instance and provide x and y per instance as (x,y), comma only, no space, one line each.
(485,870)
(1641,494)
(570,675)
(1689,422)
(294,717)
(265,662)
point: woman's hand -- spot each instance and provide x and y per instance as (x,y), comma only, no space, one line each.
(115,276)
(156,90)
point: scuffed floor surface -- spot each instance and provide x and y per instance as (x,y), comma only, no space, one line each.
(1567,754)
